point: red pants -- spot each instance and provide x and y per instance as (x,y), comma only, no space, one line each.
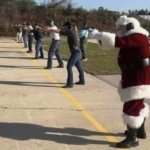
(133,108)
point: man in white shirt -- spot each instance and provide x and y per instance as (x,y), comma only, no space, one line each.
(54,46)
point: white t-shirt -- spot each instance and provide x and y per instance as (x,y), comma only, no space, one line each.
(54,35)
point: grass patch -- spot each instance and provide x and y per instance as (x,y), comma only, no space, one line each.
(99,61)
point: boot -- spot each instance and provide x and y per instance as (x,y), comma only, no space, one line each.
(49,64)
(130,141)
(140,132)
(80,82)
(126,131)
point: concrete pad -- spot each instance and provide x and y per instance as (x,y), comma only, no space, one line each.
(38,114)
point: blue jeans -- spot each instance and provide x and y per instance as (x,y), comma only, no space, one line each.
(25,40)
(54,49)
(74,60)
(39,48)
(30,41)
(83,43)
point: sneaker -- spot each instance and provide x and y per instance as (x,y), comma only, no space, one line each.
(41,57)
(84,59)
(29,51)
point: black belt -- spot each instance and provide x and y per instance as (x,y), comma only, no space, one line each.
(136,64)
(145,62)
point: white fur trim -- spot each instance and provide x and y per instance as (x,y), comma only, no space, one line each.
(136,122)
(134,21)
(94,34)
(139,30)
(108,40)
(121,20)
(134,92)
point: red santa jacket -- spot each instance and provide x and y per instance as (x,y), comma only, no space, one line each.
(133,48)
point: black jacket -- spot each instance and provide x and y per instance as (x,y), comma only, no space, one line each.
(73,40)
(37,34)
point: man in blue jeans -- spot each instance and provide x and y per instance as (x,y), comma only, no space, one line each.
(39,42)
(75,58)
(25,34)
(54,46)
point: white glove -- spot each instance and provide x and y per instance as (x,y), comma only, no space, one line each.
(95,34)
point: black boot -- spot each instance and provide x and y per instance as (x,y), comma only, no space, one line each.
(141,131)
(130,141)
(126,131)
(80,82)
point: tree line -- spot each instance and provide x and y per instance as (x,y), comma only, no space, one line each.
(19,11)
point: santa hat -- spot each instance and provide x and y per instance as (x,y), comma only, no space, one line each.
(134,21)
(122,20)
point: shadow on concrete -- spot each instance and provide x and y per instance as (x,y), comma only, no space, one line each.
(21,67)
(36,84)
(16,57)
(27,57)
(74,136)
(11,51)
(6,42)
(9,47)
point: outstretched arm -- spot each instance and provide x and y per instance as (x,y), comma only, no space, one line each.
(50,29)
(106,39)
(95,34)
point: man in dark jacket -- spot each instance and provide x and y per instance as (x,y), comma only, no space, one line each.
(39,42)
(75,58)
(30,37)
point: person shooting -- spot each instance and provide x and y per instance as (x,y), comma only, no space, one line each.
(134,62)
(54,48)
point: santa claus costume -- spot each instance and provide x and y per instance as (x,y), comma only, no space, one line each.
(134,62)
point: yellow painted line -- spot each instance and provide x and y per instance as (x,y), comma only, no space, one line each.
(87,115)
(76,104)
